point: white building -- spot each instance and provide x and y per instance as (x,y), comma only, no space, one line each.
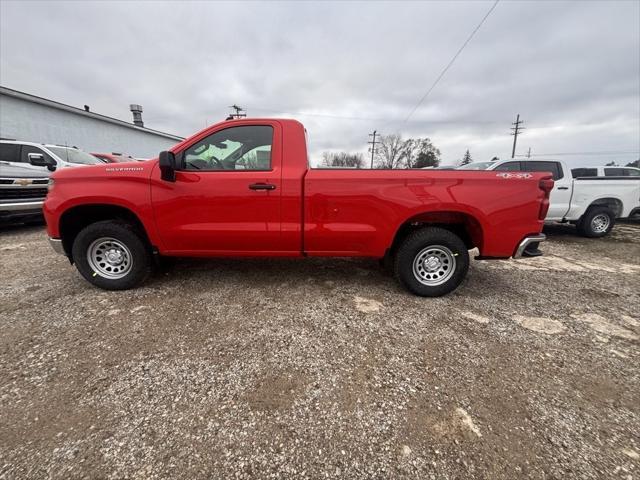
(35,119)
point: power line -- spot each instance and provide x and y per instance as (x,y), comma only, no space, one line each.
(424,97)
(377,119)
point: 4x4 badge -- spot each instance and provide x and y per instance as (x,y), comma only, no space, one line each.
(513,175)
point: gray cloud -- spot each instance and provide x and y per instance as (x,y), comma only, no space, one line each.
(571,69)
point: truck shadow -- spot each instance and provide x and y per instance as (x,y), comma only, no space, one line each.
(203,274)
(306,276)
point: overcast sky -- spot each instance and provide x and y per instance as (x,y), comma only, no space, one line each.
(570,68)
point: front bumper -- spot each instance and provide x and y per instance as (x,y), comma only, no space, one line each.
(17,207)
(541,237)
(57,246)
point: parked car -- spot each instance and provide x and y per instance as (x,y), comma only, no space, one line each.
(114,157)
(244,188)
(606,171)
(22,192)
(42,158)
(592,204)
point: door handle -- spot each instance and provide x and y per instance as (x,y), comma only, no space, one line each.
(563,188)
(262,186)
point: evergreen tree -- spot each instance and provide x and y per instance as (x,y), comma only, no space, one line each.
(466,159)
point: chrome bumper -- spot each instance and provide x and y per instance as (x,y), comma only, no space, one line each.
(21,206)
(56,244)
(528,241)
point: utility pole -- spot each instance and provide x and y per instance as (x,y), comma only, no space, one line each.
(516,131)
(373,145)
(529,153)
(240,112)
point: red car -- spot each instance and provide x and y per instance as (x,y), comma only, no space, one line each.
(244,188)
(114,157)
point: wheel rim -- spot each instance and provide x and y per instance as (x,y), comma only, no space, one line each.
(434,265)
(600,223)
(109,258)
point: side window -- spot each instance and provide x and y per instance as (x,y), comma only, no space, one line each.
(584,172)
(9,152)
(614,172)
(553,167)
(509,167)
(27,149)
(631,172)
(236,148)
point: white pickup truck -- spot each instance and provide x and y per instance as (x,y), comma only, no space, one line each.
(590,203)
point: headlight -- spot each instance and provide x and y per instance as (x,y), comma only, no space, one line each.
(50,184)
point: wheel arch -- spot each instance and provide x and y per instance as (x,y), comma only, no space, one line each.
(613,203)
(73,220)
(463,224)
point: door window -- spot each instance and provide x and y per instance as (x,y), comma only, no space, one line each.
(236,148)
(553,167)
(509,167)
(9,152)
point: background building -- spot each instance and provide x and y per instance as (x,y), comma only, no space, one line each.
(35,119)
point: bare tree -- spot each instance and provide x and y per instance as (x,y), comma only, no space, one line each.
(343,159)
(394,152)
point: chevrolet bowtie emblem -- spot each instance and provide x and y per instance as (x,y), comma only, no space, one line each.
(23,181)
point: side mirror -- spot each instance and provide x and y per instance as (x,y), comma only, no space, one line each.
(39,160)
(167,166)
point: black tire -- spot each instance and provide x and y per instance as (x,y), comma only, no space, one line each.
(444,243)
(589,226)
(138,254)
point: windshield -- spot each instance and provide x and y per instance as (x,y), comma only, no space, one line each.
(476,166)
(72,155)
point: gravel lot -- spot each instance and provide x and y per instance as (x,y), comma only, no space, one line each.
(323,368)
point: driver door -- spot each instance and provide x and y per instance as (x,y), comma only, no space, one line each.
(226,197)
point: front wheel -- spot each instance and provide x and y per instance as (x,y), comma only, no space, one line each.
(596,222)
(111,255)
(431,262)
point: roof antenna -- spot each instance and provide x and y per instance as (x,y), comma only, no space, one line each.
(240,112)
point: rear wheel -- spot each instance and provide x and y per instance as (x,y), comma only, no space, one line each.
(111,255)
(597,222)
(431,262)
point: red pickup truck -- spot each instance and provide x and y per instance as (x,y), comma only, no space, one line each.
(244,188)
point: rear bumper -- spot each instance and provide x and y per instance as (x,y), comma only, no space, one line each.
(541,237)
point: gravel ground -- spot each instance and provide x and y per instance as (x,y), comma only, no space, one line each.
(323,368)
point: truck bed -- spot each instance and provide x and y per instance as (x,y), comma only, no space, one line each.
(358,212)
